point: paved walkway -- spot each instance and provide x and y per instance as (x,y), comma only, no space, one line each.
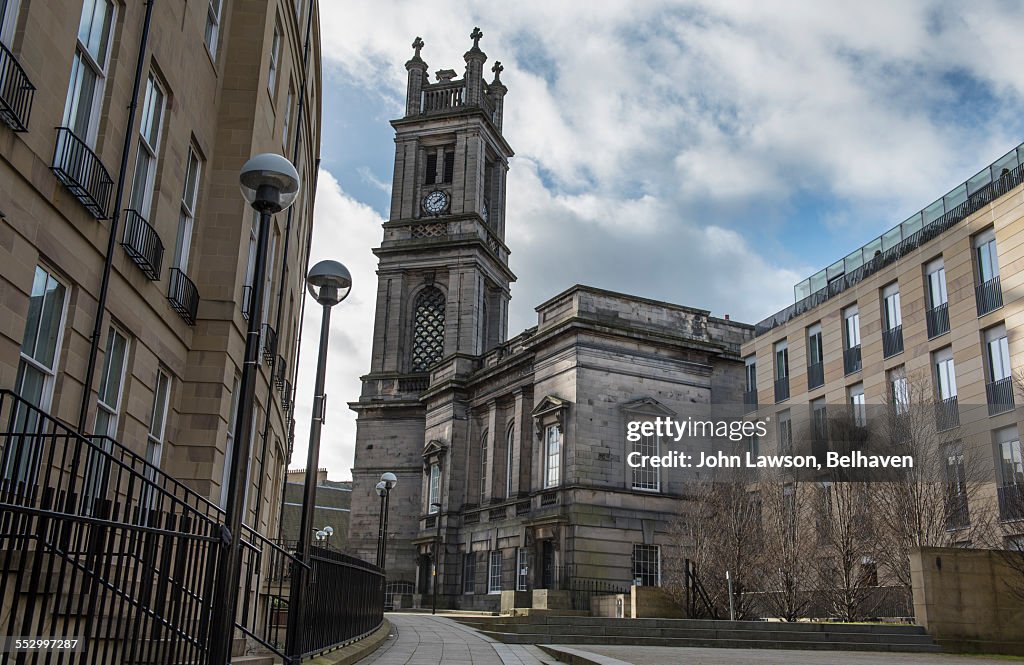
(633,655)
(423,639)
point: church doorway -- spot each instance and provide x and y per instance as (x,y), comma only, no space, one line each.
(549,579)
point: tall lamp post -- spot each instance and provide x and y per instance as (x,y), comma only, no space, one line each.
(330,283)
(270,184)
(437,557)
(387,483)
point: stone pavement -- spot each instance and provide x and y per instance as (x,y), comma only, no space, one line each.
(633,655)
(422,639)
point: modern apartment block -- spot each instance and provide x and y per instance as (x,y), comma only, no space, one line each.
(937,301)
(216,81)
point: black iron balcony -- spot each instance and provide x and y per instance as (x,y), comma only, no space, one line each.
(947,414)
(892,341)
(246,296)
(286,395)
(1011,502)
(815,375)
(957,515)
(82,172)
(749,400)
(851,359)
(989,296)
(937,319)
(1000,396)
(183,296)
(16,92)
(269,337)
(142,244)
(782,389)
(280,372)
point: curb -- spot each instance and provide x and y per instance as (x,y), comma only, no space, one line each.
(357,650)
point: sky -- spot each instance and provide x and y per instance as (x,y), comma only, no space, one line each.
(707,153)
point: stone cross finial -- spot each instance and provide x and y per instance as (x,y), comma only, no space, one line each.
(475,36)
(417,44)
(497,69)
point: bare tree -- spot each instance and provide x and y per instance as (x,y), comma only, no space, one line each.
(787,558)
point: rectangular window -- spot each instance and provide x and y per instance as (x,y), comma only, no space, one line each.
(985,256)
(899,389)
(647,565)
(956,487)
(997,353)
(8,20)
(858,406)
(851,327)
(552,455)
(510,438)
(893,316)
(935,276)
(115,362)
(186,218)
(229,446)
(268,287)
(781,360)
(483,466)
(431,176)
(469,572)
(286,138)
(819,421)
(89,70)
(522,569)
(158,418)
(784,430)
(1011,461)
(250,266)
(815,354)
(275,56)
(750,368)
(647,476)
(449,167)
(945,374)
(434,489)
(141,199)
(212,36)
(494,572)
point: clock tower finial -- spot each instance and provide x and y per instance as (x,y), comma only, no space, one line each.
(476,35)
(417,44)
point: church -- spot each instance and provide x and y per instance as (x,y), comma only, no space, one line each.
(511,453)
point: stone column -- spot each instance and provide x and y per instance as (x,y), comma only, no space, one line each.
(417,79)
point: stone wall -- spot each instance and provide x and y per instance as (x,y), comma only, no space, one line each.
(651,602)
(965,600)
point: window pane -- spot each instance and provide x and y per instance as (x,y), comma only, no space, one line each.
(158,420)
(113,369)
(81,96)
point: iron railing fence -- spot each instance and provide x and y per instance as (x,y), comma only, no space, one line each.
(892,341)
(1011,502)
(749,400)
(851,360)
(142,244)
(16,92)
(972,198)
(269,338)
(782,389)
(999,395)
(937,319)
(989,296)
(947,414)
(815,375)
(889,602)
(82,172)
(183,296)
(265,590)
(583,589)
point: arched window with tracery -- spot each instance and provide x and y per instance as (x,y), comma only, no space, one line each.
(428,329)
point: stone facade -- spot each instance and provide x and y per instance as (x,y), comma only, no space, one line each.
(229,85)
(520,443)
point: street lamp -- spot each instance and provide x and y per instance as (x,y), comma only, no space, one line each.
(270,184)
(437,557)
(330,283)
(387,483)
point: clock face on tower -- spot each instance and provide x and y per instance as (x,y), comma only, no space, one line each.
(435,202)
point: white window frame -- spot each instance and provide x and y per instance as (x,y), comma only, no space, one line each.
(286,139)
(647,478)
(899,389)
(49,372)
(935,280)
(552,455)
(646,550)
(784,432)
(986,256)
(892,314)
(1010,457)
(858,404)
(750,376)
(268,288)
(187,216)
(781,349)
(522,569)
(494,572)
(997,354)
(158,418)
(229,444)
(112,409)
(275,57)
(851,327)
(84,58)
(9,20)
(211,36)
(469,572)
(149,147)
(483,465)
(434,488)
(945,373)
(814,343)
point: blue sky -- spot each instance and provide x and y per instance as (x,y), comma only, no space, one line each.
(706,153)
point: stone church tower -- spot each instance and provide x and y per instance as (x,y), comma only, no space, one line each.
(443,287)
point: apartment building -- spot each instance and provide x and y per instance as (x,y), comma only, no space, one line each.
(935,301)
(124,126)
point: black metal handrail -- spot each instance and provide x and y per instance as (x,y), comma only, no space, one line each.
(269,337)
(989,296)
(142,244)
(782,389)
(183,296)
(815,375)
(851,359)
(583,589)
(1011,502)
(892,341)
(82,172)
(999,395)
(16,92)
(947,414)
(974,202)
(937,319)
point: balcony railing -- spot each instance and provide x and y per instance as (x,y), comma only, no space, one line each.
(16,92)
(815,375)
(937,319)
(280,372)
(444,96)
(82,172)
(989,296)
(947,414)
(269,337)
(183,296)
(782,389)
(1000,396)
(892,341)
(957,515)
(142,244)
(851,359)
(286,395)
(1011,502)
(749,400)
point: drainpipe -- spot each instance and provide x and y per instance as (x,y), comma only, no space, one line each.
(101,306)
(284,267)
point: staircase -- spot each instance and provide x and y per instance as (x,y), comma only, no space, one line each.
(704,633)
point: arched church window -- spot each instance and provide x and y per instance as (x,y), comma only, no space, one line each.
(428,329)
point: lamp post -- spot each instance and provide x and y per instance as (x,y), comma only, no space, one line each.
(270,184)
(437,557)
(387,483)
(330,283)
